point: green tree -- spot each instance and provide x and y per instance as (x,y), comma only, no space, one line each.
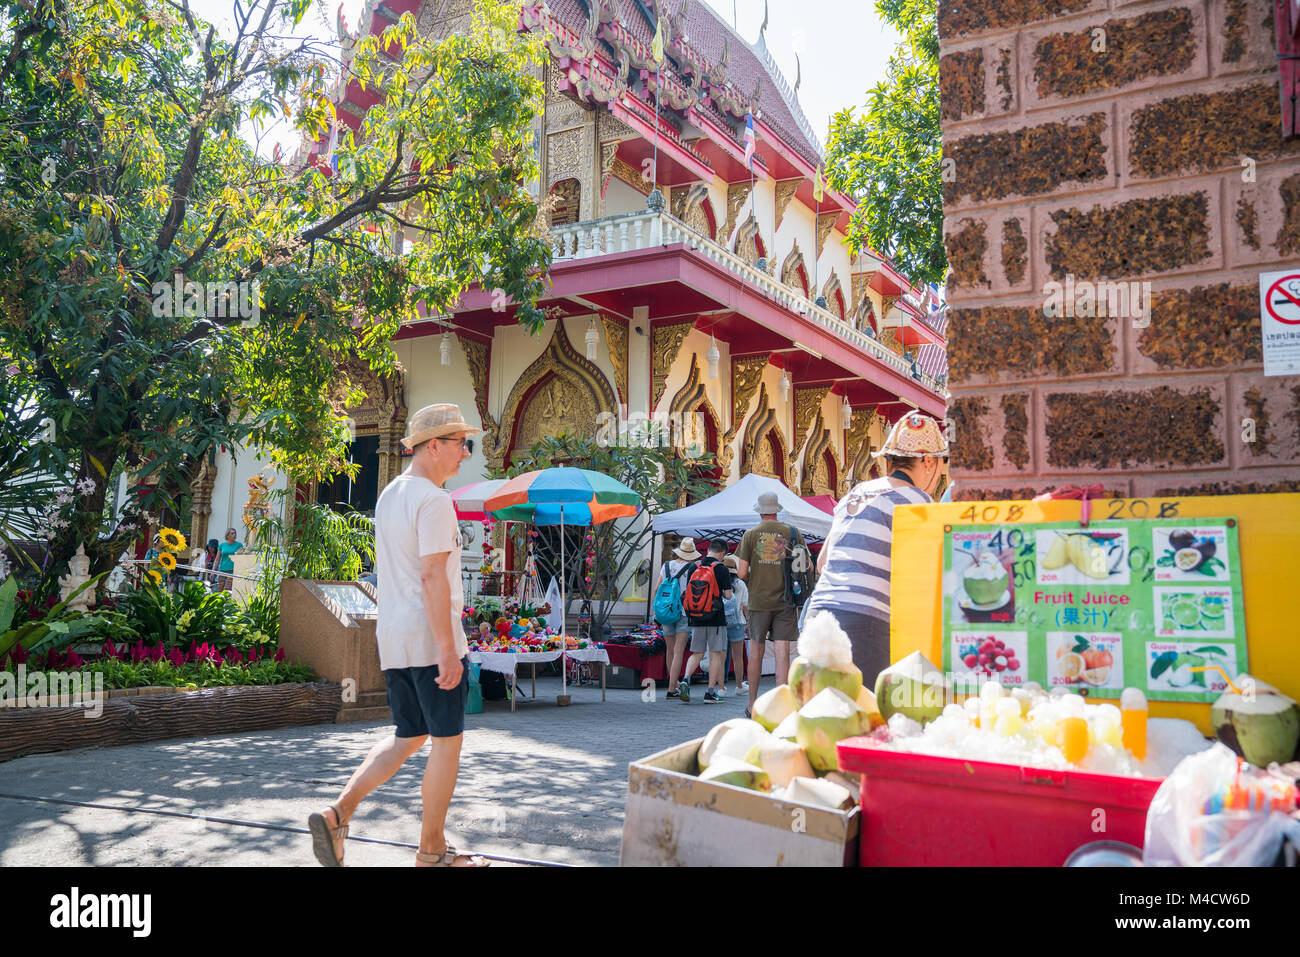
(664,480)
(125,178)
(889,158)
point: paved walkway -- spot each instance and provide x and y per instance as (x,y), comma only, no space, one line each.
(544,783)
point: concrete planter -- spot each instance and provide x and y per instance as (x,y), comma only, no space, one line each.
(133,715)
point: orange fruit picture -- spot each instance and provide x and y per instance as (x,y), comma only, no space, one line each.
(1072,665)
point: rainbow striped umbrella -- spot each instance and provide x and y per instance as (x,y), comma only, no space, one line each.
(562,496)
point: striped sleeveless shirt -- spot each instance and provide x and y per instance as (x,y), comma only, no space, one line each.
(856,576)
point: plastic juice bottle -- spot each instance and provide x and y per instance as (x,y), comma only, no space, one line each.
(1105,725)
(972,708)
(1133,720)
(1009,719)
(1074,739)
(990,695)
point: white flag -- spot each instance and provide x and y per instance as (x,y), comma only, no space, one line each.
(553,599)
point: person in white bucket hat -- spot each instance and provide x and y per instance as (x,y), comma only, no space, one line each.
(423,651)
(853,569)
(678,635)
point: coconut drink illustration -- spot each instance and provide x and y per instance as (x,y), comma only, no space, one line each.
(985,581)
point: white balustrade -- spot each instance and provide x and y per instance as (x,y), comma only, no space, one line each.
(635,231)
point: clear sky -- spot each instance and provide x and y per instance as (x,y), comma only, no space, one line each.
(843,46)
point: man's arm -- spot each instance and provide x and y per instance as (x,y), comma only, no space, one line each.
(821,559)
(436,592)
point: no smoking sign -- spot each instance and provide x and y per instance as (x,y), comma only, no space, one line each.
(1279,319)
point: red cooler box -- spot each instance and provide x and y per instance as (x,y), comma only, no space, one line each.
(923,810)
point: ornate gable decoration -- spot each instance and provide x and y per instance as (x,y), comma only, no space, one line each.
(563,362)
(830,289)
(816,480)
(790,268)
(825,223)
(665,344)
(785,191)
(616,339)
(737,195)
(693,397)
(755,458)
(807,404)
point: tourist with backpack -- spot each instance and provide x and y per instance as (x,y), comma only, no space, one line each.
(737,608)
(668,608)
(774,562)
(708,583)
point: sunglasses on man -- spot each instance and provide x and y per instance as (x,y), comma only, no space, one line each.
(466,444)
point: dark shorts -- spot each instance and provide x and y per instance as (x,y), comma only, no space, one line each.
(420,707)
(781,624)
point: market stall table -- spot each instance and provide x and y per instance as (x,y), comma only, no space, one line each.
(507,663)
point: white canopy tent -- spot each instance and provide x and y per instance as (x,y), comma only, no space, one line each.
(733,509)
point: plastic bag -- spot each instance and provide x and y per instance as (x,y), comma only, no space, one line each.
(1215,810)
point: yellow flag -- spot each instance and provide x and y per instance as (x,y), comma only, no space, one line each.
(819,185)
(657,48)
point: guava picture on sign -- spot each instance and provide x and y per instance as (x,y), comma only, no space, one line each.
(1279,320)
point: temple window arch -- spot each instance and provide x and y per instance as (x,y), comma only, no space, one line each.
(566,202)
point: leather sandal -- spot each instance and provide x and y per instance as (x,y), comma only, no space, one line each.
(323,837)
(448,859)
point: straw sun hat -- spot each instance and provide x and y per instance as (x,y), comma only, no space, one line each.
(687,551)
(435,422)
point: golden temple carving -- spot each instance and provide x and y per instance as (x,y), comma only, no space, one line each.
(822,468)
(765,442)
(807,404)
(381,413)
(627,173)
(561,391)
(737,195)
(665,343)
(784,193)
(478,355)
(790,268)
(829,290)
(825,223)
(616,340)
(746,374)
(693,398)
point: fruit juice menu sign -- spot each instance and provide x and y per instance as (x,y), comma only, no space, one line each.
(1119,604)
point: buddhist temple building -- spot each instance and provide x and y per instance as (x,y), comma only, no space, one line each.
(696,290)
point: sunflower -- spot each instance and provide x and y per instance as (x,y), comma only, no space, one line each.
(153,576)
(171,539)
(167,560)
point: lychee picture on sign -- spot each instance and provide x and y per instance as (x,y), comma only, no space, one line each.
(1085,660)
(1001,655)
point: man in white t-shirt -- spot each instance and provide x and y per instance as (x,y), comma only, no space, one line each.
(422,645)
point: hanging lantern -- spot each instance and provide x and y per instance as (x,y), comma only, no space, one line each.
(785,386)
(712,356)
(592,339)
(846,412)
(444,349)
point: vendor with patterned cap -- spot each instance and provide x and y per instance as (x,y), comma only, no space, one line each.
(853,570)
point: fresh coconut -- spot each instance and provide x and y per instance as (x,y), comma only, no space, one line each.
(740,740)
(825,661)
(852,785)
(821,792)
(782,760)
(1262,725)
(774,706)
(741,774)
(718,732)
(913,686)
(788,729)
(867,702)
(829,717)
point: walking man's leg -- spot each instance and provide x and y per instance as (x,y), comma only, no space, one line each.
(718,670)
(437,788)
(738,663)
(383,761)
(755,668)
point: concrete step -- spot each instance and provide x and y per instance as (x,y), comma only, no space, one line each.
(350,714)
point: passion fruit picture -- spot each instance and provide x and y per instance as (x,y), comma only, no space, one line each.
(1188,556)
(1188,559)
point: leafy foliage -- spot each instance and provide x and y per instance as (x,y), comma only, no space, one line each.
(889,157)
(126,178)
(193,675)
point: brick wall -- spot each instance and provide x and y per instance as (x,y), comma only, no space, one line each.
(1091,141)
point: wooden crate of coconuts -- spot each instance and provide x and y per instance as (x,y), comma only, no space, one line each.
(765,792)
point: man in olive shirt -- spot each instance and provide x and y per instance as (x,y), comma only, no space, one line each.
(761,564)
